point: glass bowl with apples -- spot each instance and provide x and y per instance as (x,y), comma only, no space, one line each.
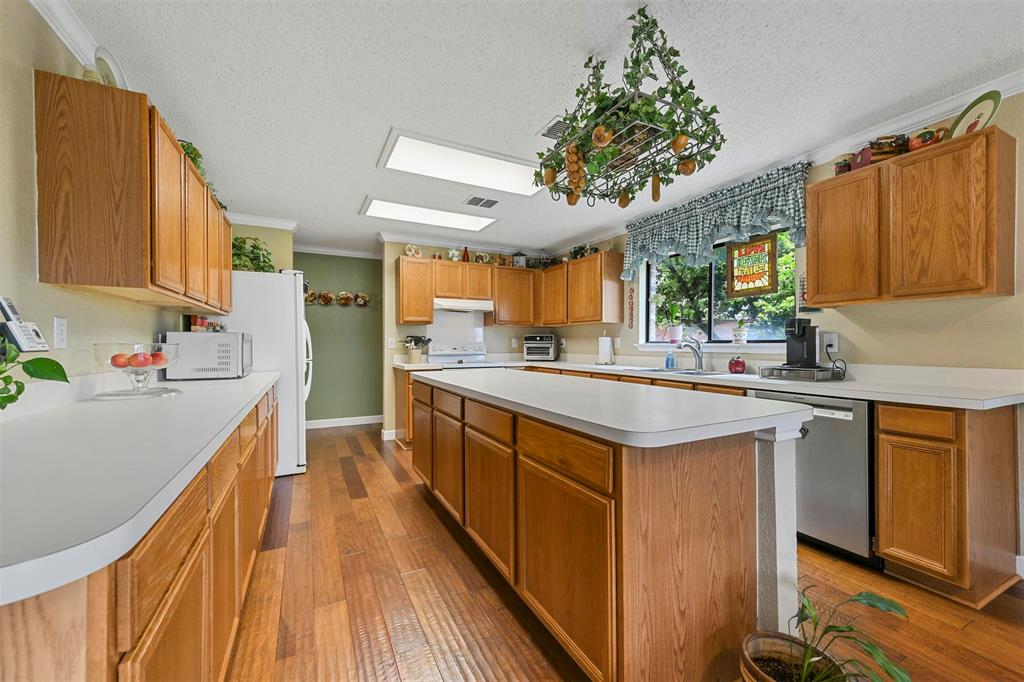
(139,362)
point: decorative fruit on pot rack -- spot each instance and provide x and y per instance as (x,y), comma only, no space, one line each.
(617,139)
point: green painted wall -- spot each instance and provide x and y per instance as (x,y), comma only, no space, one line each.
(347,341)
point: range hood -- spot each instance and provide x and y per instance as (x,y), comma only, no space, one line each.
(463,305)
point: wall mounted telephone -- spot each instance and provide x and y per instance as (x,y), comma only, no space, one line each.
(24,335)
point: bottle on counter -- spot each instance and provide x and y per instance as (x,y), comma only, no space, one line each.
(465,254)
(670,360)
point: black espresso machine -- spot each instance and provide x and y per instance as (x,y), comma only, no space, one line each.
(802,348)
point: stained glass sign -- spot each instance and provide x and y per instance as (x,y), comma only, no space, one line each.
(753,267)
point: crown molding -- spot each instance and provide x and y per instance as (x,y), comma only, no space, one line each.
(1008,85)
(69,28)
(399,238)
(586,238)
(325,251)
(261,221)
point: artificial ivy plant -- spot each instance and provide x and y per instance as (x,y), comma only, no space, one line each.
(250,254)
(619,139)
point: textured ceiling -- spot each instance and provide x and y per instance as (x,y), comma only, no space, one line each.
(291,103)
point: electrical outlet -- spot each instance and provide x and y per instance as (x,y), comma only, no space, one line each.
(561,343)
(60,333)
(515,342)
(618,343)
(391,342)
(830,340)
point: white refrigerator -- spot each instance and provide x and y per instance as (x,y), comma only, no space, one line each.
(271,306)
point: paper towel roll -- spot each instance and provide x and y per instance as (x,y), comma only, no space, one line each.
(604,351)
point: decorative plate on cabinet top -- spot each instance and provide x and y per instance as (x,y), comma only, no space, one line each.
(362,299)
(977,115)
(327,298)
(109,69)
(311,297)
(345,298)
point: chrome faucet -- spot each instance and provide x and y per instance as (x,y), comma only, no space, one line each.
(697,348)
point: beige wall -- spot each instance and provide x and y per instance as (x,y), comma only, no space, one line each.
(278,241)
(27,43)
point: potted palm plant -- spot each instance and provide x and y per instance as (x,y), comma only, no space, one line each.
(805,656)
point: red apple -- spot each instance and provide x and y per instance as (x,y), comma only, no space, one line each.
(737,365)
(159,359)
(120,360)
(141,360)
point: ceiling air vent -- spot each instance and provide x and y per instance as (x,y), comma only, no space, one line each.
(554,128)
(480,202)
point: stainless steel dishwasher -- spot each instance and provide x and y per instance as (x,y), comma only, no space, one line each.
(834,473)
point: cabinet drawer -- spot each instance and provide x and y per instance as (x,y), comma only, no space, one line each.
(448,403)
(674,384)
(145,573)
(610,377)
(488,420)
(247,429)
(224,466)
(578,458)
(575,373)
(263,408)
(917,421)
(724,390)
(545,370)
(635,380)
(421,392)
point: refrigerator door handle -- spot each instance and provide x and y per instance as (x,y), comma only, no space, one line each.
(308,339)
(308,383)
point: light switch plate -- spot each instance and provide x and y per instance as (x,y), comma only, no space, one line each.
(515,342)
(618,343)
(830,340)
(60,333)
(391,342)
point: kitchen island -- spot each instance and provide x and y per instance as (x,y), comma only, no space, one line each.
(645,527)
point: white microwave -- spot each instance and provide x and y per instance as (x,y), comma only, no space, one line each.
(210,355)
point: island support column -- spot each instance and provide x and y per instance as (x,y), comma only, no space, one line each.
(776,528)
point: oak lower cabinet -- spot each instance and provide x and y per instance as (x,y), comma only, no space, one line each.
(176,644)
(414,290)
(248,496)
(566,563)
(224,602)
(448,463)
(937,222)
(946,495)
(119,203)
(423,447)
(490,498)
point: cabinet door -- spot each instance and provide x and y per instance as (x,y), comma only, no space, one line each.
(566,564)
(921,514)
(224,597)
(449,279)
(175,646)
(937,234)
(415,290)
(225,268)
(213,250)
(513,296)
(585,289)
(490,499)
(554,291)
(843,228)
(478,281)
(423,445)
(195,234)
(168,207)
(448,472)
(247,494)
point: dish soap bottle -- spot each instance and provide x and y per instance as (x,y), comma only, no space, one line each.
(670,360)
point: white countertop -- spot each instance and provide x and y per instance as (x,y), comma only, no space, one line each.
(81,484)
(630,414)
(908,391)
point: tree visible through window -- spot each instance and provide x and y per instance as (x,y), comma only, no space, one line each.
(686,301)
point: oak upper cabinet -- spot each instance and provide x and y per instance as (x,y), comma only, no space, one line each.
(554,291)
(214,239)
(448,472)
(175,646)
(118,201)
(566,563)
(195,234)
(490,498)
(594,288)
(937,222)
(843,238)
(513,296)
(423,445)
(479,281)
(415,290)
(226,264)
(449,279)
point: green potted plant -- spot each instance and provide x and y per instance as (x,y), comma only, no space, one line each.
(805,657)
(250,254)
(415,346)
(46,369)
(739,333)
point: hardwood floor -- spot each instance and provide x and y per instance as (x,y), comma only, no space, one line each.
(362,577)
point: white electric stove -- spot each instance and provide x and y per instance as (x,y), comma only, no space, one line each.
(459,356)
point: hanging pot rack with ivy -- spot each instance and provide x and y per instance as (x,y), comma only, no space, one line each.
(617,140)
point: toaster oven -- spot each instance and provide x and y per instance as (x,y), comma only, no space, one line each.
(540,347)
(210,355)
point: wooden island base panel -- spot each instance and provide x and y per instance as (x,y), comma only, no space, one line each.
(642,561)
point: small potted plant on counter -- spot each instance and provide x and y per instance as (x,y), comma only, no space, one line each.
(776,657)
(44,369)
(415,346)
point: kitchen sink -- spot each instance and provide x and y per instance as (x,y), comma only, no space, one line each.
(687,372)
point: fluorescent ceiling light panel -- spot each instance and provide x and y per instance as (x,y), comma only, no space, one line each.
(426,216)
(448,163)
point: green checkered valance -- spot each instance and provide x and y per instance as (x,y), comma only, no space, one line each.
(761,205)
